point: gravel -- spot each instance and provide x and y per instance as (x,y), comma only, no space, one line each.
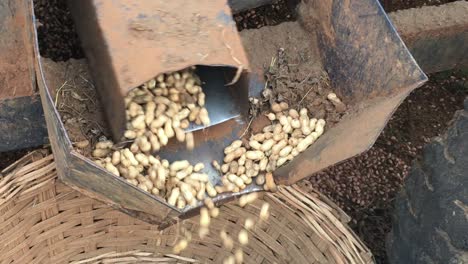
(57,37)
(365,186)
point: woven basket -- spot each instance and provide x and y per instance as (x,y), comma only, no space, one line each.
(44,221)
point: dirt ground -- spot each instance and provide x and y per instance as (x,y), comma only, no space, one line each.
(392,5)
(57,37)
(9,157)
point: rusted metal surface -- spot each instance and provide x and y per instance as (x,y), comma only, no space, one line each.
(369,66)
(21,119)
(128,43)
(437,36)
(16,50)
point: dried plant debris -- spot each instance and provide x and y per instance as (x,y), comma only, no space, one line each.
(76,100)
(285,83)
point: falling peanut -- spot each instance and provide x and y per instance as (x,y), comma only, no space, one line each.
(228,242)
(247,198)
(243,237)
(180,246)
(264,212)
(239,256)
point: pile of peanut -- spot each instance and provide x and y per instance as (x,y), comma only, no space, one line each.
(290,133)
(162,109)
(157,111)
(179,182)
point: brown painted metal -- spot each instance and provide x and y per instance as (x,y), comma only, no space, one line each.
(242,5)
(16,50)
(129,42)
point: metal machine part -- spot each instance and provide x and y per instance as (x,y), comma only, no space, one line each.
(439,45)
(129,43)
(368,65)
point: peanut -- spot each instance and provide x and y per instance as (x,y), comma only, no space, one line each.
(258,137)
(270,182)
(210,190)
(264,211)
(174,196)
(214,212)
(284,106)
(100,153)
(247,198)
(267,145)
(236,144)
(254,154)
(115,158)
(228,242)
(271,116)
(275,107)
(179,165)
(260,180)
(205,119)
(190,140)
(239,256)
(198,167)
(180,246)
(112,169)
(255,144)
(285,151)
(243,237)
(204,217)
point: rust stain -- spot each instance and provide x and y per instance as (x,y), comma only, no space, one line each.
(151,37)
(128,43)
(16,59)
(321,12)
